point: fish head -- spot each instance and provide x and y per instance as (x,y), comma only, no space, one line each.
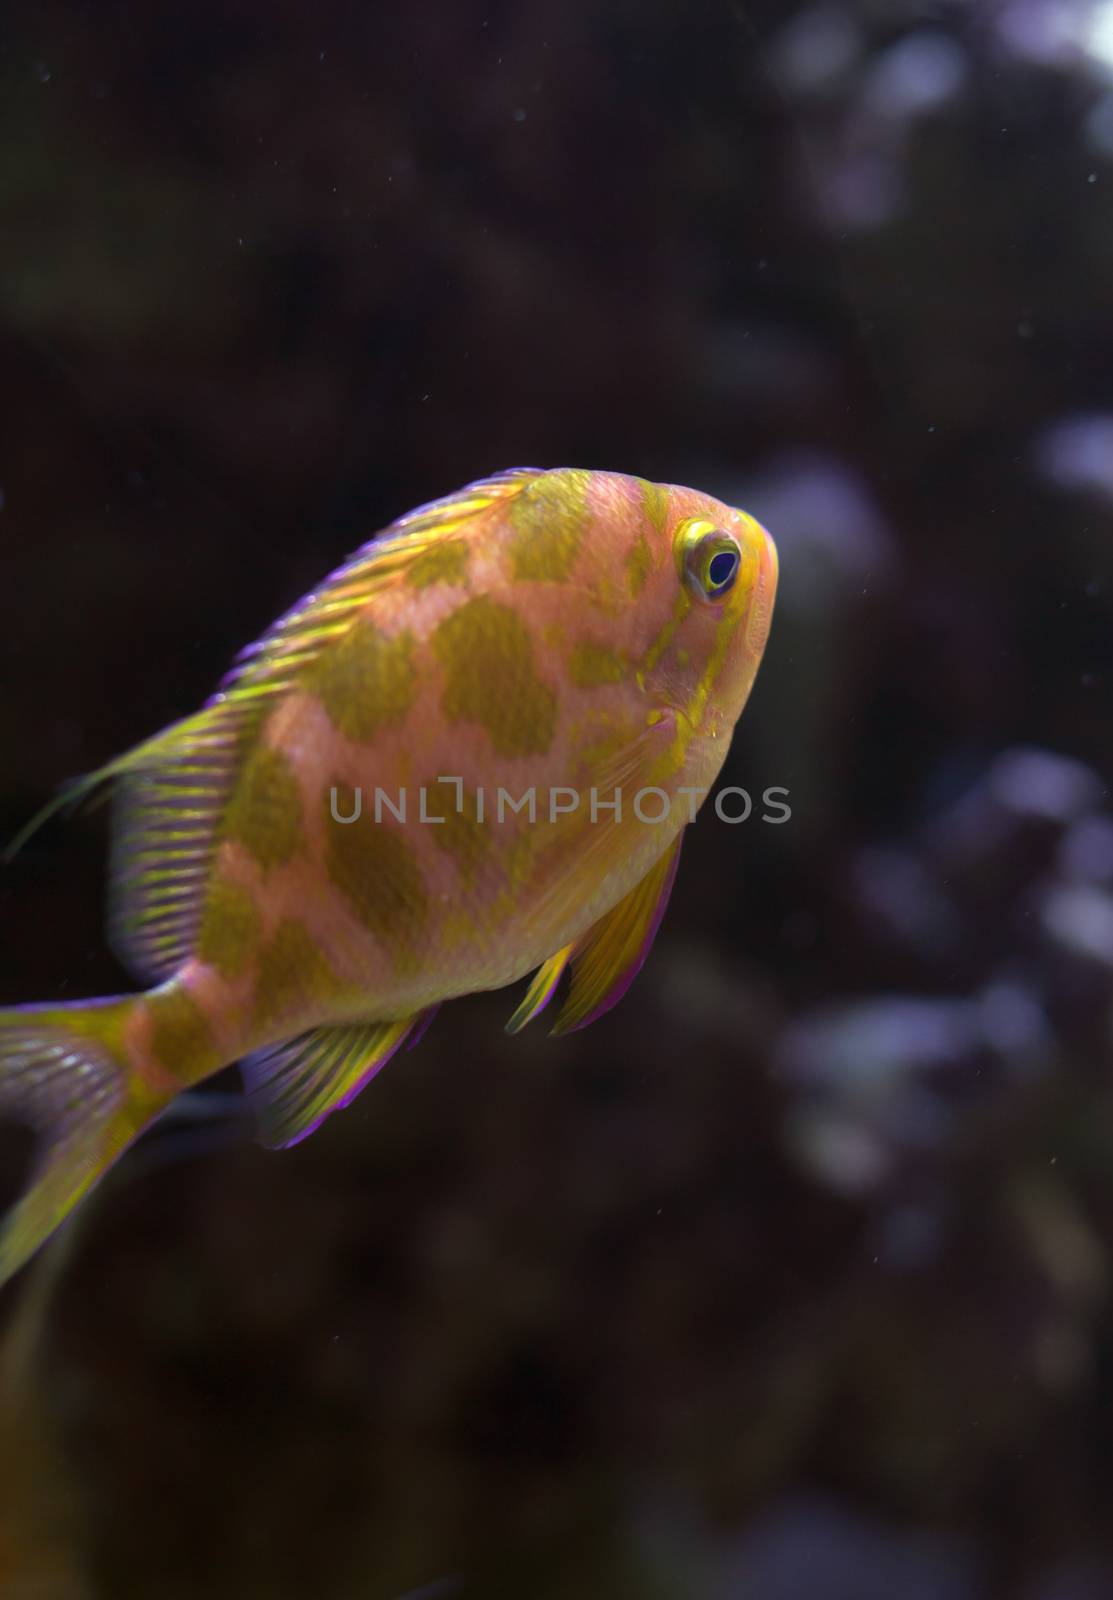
(721,571)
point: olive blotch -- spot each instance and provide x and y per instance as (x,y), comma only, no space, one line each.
(548,521)
(230,928)
(379,876)
(446,562)
(181,1039)
(486,652)
(365,681)
(293,978)
(591,665)
(461,833)
(265,812)
(638,565)
(655,498)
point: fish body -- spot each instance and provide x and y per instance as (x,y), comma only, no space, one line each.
(471,753)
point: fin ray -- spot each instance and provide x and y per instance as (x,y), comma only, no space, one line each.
(541,990)
(167,809)
(295,1085)
(60,1076)
(611,954)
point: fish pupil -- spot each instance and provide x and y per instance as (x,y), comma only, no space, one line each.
(721,568)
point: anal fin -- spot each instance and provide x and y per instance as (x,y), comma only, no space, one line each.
(295,1085)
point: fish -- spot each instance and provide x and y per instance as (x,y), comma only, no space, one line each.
(469,755)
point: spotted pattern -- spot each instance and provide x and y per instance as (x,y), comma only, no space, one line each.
(461,834)
(608,596)
(230,928)
(548,521)
(655,499)
(181,1039)
(681,608)
(486,652)
(639,563)
(596,751)
(293,977)
(264,813)
(365,681)
(445,562)
(378,874)
(591,665)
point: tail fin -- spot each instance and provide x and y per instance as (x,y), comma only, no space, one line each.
(64,1073)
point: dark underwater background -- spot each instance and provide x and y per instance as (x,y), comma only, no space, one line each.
(791,1278)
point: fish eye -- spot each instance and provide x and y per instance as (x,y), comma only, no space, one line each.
(710,559)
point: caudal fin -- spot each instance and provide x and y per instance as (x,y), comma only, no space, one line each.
(63,1073)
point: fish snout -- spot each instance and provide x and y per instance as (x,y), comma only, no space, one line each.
(765,592)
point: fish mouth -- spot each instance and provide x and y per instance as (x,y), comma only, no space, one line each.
(761,611)
(771,562)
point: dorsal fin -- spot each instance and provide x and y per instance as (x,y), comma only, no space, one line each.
(173,788)
(167,807)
